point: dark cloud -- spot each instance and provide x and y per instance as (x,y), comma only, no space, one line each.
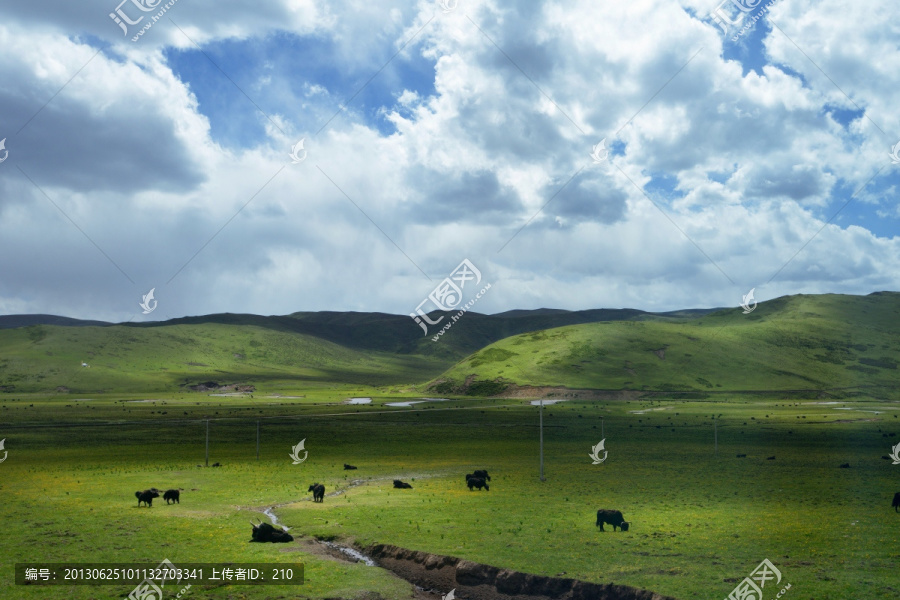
(460,197)
(587,198)
(798,182)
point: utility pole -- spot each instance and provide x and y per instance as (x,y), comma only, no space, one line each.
(207,441)
(541,413)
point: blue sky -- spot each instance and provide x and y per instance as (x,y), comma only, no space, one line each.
(165,163)
(277,71)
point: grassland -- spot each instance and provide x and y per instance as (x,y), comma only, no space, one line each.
(797,342)
(698,520)
(42,358)
(823,376)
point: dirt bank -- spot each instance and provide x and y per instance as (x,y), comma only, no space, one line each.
(476,581)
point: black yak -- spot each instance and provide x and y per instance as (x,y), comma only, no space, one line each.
(845,466)
(483,474)
(401,485)
(349,467)
(896,502)
(266,533)
(318,491)
(742,456)
(147,496)
(216,464)
(771,458)
(477,482)
(613,517)
(173,495)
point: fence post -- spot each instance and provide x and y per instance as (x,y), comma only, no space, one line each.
(541,412)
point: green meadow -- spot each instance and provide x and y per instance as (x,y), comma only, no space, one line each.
(701,519)
(810,380)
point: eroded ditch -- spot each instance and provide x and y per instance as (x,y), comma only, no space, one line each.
(477,581)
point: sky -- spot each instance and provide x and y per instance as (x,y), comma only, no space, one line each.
(303,155)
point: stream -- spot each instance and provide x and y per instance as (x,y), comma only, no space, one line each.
(352,553)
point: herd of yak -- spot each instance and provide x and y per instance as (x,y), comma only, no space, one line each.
(147,496)
(263,532)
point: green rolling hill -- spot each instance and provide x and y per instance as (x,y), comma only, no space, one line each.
(390,333)
(40,353)
(790,343)
(42,358)
(794,342)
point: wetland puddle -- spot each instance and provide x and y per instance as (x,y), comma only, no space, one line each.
(409,403)
(645,410)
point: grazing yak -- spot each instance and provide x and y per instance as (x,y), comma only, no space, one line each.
(613,517)
(771,458)
(147,496)
(896,502)
(401,485)
(845,466)
(349,467)
(483,474)
(216,465)
(266,533)
(173,495)
(318,491)
(477,482)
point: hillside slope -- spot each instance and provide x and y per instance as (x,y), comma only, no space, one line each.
(42,358)
(383,332)
(793,342)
